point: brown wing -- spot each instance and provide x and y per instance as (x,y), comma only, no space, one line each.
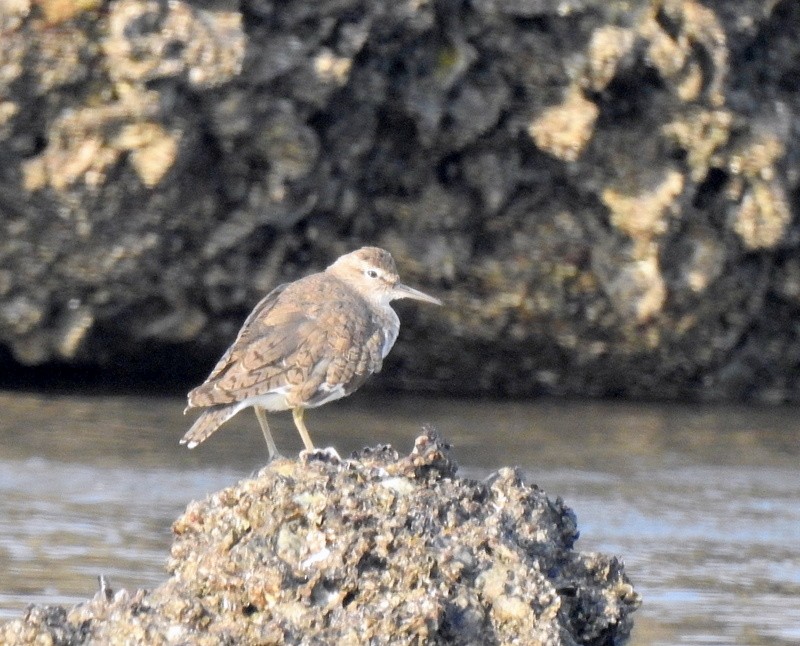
(305,339)
(261,309)
(255,345)
(354,343)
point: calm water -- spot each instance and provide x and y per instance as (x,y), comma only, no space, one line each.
(702,503)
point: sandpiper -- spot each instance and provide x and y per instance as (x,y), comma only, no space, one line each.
(305,344)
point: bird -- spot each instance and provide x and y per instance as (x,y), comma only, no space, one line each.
(306,343)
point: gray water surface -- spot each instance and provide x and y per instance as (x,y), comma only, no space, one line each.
(701,503)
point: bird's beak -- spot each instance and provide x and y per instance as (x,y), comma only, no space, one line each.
(404,291)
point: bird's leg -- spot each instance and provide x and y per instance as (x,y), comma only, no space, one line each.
(310,452)
(297,413)
(261,416)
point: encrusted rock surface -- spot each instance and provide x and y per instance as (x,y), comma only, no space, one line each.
(605,193)
(379,550)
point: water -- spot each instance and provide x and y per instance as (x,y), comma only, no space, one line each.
(702,503)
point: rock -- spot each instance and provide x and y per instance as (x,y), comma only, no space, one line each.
(376,549)
(603,192)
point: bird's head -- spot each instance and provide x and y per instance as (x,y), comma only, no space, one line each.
(371,271)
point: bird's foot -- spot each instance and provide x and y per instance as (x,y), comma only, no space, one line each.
(322,455)
(277,455)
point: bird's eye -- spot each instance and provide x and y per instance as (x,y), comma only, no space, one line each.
(372,273)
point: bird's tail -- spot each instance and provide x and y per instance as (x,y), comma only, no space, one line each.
(207,423)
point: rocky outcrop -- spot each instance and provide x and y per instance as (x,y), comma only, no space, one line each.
(376,549)
(604,193)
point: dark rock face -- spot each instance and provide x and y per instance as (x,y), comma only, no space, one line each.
(604,193)
(379,550)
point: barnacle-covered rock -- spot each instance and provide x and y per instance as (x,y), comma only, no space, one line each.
(376,549)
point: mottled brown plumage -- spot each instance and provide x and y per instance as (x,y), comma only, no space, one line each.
(306,343)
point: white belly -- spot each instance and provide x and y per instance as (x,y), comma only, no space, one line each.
(276,400)
(271,401)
